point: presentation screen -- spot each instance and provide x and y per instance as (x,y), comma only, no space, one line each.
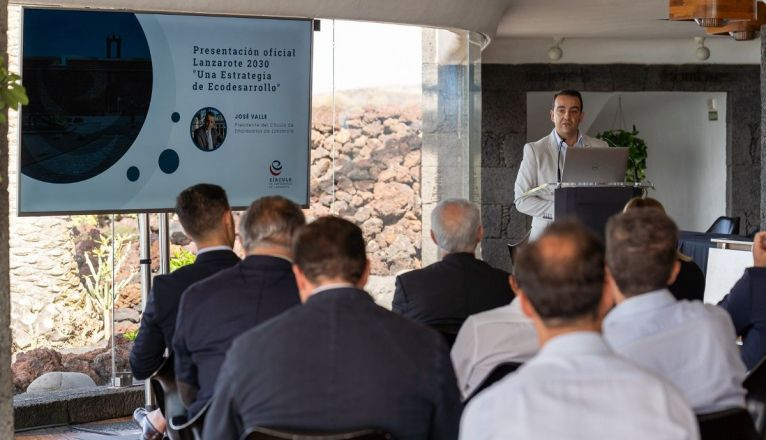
(126,109)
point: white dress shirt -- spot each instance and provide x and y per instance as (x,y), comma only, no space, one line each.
(690,344)
(576,388)
(490,338)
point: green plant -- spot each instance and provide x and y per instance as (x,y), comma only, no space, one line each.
(98,284)
(130,335)
(637,151)
(12,93)
(181,257)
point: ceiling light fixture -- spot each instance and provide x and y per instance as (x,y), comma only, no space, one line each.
(702,52)
(555,53)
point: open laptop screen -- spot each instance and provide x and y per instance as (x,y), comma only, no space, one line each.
(599,165)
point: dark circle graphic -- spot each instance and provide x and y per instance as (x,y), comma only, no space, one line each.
(82,116)
(133,174)
(168,161)
(275,168)
(208,129)
(175,117)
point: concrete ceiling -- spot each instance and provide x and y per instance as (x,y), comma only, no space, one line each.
(617,19)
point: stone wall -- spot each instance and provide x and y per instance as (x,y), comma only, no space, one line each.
(504,115)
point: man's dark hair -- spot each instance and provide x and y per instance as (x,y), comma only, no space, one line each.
(200,209)
(270,220)
(568,92)
(330,247)
(641,249)
(562,273)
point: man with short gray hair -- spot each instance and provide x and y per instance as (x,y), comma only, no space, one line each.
(445,293)
(216,310)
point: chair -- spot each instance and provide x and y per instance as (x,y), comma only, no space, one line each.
(172,406)
(191,428)
(258,433)
(500,371)
(513,248)
(755,384)
(730,424)
(174,409)
(725,225)
(449,331)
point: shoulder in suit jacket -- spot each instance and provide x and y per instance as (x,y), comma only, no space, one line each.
(218,309)
(338,362)
(158,321)
(746,304)
(448,291)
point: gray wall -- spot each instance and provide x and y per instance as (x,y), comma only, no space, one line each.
(504,115)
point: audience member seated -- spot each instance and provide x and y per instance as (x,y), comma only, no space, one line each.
(218,309)
(746,304)
(448,291)
(490,338)
(689,343)
(575,387)
(204,213)
(339,362)
(690,282)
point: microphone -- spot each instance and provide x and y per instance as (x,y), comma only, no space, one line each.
(558,161)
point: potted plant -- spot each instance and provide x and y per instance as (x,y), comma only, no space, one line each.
(637,151)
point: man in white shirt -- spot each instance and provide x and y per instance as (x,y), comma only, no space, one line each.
(688,343)
(543,160)
(487,339)
(575,387)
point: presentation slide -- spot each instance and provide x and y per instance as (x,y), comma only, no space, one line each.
(126,110)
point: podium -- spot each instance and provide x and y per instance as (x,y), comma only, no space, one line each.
(593,203)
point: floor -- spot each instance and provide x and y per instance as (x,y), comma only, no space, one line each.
(115,429)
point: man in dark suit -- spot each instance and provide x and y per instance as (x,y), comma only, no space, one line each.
(746,304)
(215,311)
(339,362)
(447,292)
(204,213)
(207,137)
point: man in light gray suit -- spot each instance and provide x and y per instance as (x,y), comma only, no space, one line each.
(539,165)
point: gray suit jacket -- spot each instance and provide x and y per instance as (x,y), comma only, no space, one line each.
(537,168)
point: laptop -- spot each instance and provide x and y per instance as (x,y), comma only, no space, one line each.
(599,165)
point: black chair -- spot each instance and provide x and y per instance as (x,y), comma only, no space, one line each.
(730,424)
(191,428)
(725,225)
(449,331)
(274,434)
(172,406)
(513,248)
(497,373)
(755,384)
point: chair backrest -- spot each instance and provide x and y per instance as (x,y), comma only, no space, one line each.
(513,247)
(497,373)
(259,433)
(173,407)
(448,331)
(730,424)
(725,225)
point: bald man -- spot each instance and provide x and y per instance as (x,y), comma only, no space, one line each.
(448,291)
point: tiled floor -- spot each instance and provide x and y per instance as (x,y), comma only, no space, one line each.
(115,429)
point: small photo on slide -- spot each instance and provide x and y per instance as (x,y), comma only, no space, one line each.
(208,129)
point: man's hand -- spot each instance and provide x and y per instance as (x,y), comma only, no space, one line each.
(759,249)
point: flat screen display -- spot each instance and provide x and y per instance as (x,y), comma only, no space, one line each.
(127,109)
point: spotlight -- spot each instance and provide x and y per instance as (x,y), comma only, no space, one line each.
(555,53)
(702,52)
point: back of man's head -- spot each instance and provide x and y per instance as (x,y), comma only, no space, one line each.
(456,225)
(201,209)
(270,221)
(562,274)
(641,250)
(330,248)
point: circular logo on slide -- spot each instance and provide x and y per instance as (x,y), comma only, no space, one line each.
(275,168)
